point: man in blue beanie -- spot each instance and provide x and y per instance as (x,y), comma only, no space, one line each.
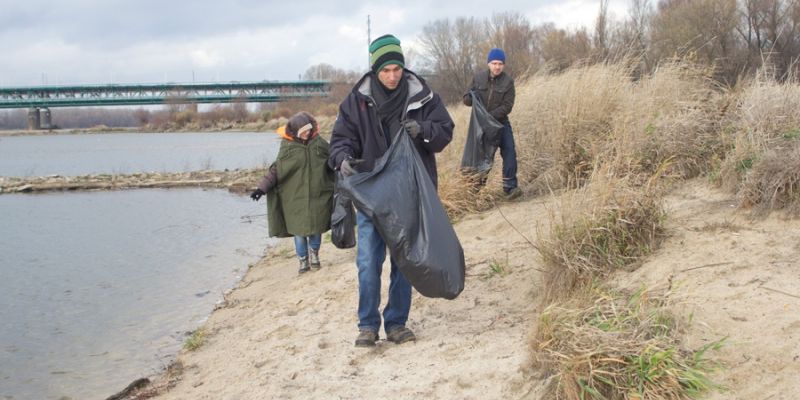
(495,89)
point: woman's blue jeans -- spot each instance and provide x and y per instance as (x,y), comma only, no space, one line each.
(370,255)
(301,244)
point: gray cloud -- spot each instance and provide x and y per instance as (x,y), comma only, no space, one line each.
(95,41)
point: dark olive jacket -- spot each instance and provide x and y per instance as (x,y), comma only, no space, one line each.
(302,200)
(497,94)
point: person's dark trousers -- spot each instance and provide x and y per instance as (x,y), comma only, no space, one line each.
(509,154)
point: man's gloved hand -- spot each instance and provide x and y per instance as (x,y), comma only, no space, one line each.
(348,166)
(257,194)
(412,128)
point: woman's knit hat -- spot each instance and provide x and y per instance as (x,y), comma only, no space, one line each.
(385,50)
(298,124)
(496,54)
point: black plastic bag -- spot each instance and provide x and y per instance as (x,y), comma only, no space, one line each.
(400,199)
(483,138)
(343,218)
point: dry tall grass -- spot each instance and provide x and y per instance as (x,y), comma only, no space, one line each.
(566,125)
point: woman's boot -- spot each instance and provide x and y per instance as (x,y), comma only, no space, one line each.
(303,265)
(313,257)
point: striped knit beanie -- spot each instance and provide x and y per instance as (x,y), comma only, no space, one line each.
(385,50)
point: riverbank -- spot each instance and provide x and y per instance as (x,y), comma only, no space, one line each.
(238,181)
(280,335)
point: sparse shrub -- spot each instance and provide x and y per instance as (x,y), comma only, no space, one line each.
(195,340)
(610,345)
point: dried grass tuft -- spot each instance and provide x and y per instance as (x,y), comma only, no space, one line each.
(605,226)
(774,181)
(616,346)
(760,167)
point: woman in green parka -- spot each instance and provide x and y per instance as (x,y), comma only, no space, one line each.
(299,189)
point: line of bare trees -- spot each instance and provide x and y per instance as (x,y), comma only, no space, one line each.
(736,37)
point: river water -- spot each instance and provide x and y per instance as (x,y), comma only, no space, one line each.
(100,288)
(125,153)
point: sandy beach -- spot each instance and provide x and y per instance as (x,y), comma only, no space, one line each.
(280,335)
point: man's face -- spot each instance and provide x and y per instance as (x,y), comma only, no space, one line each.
(390,76)
(496,67)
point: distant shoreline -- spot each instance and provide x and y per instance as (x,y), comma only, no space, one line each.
(106,130)
(236,181)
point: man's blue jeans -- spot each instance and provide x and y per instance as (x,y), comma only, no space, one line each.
(370,255)
(301,244)
(509,154)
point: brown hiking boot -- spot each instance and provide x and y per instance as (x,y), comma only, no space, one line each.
(400,334)
(366,338)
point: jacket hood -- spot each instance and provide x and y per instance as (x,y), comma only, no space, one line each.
(419,92)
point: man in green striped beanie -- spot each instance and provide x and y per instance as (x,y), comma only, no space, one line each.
(387,103)
(385,50)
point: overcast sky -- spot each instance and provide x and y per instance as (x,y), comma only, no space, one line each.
(149,41)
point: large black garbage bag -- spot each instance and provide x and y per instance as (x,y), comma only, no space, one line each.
(400,199)
(343,218)
(483,138)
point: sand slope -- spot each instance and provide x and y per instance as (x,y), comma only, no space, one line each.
(281,335)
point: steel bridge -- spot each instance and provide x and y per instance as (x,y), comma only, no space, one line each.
(41,98)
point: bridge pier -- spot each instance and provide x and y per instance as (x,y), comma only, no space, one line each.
(34,123)
(46,118)
(39,118)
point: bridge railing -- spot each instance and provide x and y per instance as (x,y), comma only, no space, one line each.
(170,93)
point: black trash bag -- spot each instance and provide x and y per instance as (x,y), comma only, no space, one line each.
(483,138)
(400,199)
(343,218)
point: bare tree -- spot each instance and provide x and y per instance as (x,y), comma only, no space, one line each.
(702,29)
(450,54)
(561,48)
(601,39)
(327,72)
(512,32)
(769,30)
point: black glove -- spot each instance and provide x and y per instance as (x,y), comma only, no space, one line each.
(412,128)
(257,194)
(348,166)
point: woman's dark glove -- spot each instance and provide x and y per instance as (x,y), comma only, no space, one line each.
(257,194)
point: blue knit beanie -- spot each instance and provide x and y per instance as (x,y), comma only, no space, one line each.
(496,54)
